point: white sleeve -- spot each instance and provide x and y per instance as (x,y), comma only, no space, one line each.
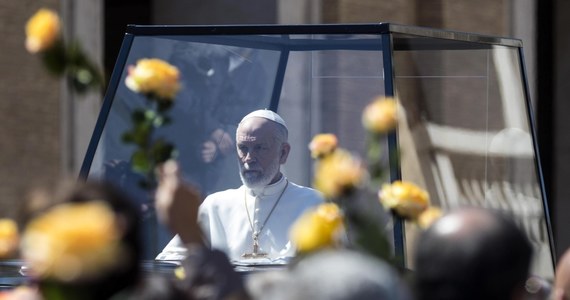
(174,250)
(204,223)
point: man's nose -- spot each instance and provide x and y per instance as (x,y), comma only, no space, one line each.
(248,157)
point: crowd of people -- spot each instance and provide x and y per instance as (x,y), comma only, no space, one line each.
(469,253)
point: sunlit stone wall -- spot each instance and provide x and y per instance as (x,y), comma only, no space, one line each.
(30,148)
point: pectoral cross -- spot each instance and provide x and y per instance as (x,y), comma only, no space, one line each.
(255,253)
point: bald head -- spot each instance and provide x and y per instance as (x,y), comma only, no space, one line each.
(465,223)
(472,254)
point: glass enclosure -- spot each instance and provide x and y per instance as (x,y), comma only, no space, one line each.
(467,136)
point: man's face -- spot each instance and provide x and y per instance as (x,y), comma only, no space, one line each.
(259,152)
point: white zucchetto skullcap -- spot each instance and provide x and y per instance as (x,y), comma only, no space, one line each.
(266,114)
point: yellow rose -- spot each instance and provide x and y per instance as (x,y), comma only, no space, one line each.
(21,292)
(381,115)
(73,241)
(405,198)
(9,237)
(428,216)
(42,30)
(338,173)
(323,144)
(318,228)
(180,273)
(154,77)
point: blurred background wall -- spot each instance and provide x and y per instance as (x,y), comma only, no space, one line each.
(45,128)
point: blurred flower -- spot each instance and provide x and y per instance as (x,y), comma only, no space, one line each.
(323,144)
(20,293)
(159,82)
(428,216)
(154,77)
(42,30)
(9,237)
(381,115)
(180,273)
(73,241)
(318,228)
(338,173)
(43,37)
(404,198)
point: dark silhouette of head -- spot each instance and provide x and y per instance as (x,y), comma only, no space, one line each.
(472,254)
(332,275)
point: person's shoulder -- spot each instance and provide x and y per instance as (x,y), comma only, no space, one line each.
(306,192)
(302,188)
(222,196)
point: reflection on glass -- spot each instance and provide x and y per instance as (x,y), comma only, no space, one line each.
(220,84)
(467,135)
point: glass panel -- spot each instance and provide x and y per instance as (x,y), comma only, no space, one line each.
(467,135)
(220,84)
(326,91)
(320,82)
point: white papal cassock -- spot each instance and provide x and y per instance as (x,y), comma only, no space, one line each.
(223,217)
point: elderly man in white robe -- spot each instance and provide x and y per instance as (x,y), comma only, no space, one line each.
(251,223)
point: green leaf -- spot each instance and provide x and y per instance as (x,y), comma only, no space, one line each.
(149,114)
(138,116)
(141,162)
(142,133)
(370,237)
(54,59)
(162,151)
(158,121)
(128,137)
(163,105)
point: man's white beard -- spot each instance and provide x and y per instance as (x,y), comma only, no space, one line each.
(255,181)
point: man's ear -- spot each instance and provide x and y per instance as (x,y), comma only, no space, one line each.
(284,153)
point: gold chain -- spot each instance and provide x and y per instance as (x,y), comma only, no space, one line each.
(255,234)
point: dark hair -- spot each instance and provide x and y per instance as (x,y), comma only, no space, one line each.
(488,261)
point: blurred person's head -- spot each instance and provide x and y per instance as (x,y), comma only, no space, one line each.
(86,244)
(208,274)
(472,254)
(561,290)
(262,148)
(332,275)
(156,287)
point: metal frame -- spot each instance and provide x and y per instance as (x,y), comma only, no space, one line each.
(537,160)
(106,107)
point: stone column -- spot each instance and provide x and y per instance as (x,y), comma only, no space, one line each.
(83,22)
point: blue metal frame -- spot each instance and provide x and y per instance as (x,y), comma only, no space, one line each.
(279,77)
(395,172)
(539,174)
(107,103)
